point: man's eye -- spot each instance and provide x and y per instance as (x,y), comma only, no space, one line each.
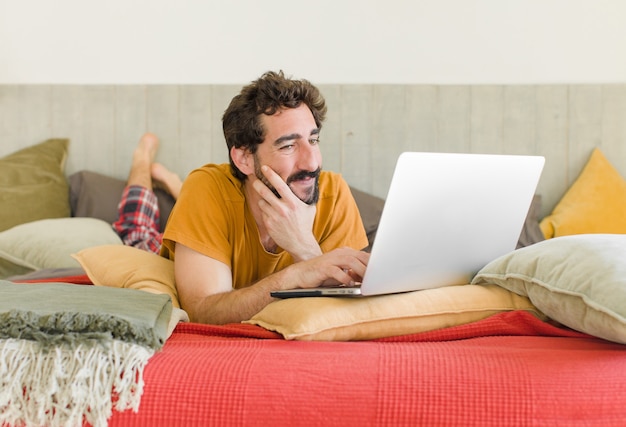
(314,141)
(287,147)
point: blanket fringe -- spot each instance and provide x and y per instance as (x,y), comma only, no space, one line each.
(69,385)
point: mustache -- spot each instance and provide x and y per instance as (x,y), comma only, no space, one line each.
(303,175)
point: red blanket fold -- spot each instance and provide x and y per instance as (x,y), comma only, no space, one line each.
(517,323)
(80,279)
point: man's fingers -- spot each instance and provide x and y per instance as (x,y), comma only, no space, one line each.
(351,266)
(277,182)
(262,190)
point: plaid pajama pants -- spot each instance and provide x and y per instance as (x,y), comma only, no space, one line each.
(138,219)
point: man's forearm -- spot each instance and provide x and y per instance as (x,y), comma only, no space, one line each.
(238,304)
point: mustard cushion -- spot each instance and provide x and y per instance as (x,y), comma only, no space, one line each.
(33,184)
(579,281)
(595,202)
(351,319)
(123,266)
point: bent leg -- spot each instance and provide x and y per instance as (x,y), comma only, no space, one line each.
(167,179)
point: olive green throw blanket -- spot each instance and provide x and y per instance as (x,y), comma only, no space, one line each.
(69,354)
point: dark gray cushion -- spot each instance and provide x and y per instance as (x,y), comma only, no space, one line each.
(531,233)
(370,207)
(97,196)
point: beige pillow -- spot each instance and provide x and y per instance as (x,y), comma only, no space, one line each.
(122,266)
(351,319)
(33,184)
(50,243)
(578,280)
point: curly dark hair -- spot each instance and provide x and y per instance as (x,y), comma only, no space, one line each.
(241,121)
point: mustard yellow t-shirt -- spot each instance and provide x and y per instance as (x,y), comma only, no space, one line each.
(211,216)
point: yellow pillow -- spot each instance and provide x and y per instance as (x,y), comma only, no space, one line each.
(595,203)
(122,266)
(352,319)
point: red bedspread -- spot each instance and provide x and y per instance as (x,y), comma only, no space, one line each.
(510,369)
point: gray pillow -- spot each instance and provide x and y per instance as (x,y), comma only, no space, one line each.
(96,195)
(578,280)
(531,232)
(370,208)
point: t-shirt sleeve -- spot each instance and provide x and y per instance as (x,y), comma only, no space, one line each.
(202,218)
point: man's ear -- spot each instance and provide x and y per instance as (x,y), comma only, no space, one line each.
(243,159)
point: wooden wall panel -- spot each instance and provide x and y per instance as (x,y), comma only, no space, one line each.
(613,131)
(486,119)
(131,121)
(220,99)
(551,142)
(86,115)
(584,127)
(195,127)
(356,116)
(519,120)
(331,133)
(389,136)
(9,117)
(164,120)
(421,118)
(367,126)
(34,119)
(25,116)
(453,116)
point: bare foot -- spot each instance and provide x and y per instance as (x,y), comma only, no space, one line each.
(143,156)
(167,178)
(147,148)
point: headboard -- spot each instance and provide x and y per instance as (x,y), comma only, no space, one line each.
(367,125)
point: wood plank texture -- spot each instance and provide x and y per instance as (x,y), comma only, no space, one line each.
(367,126)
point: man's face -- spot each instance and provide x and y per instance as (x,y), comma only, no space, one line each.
(291,149)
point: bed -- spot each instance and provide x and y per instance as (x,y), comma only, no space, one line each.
(537,337)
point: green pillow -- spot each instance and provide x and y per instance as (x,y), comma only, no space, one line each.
(33,184)
(578,280)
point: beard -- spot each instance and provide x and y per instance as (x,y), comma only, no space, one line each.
(312,195)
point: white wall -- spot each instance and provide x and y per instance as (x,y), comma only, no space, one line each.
(326,41)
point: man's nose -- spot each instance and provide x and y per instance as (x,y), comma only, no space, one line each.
(309,158)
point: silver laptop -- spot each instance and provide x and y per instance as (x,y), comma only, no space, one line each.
(446,216)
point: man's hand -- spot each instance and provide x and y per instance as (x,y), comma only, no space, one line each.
(339,266)
(288,220)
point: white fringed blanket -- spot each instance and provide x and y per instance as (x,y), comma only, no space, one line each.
(69,354)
